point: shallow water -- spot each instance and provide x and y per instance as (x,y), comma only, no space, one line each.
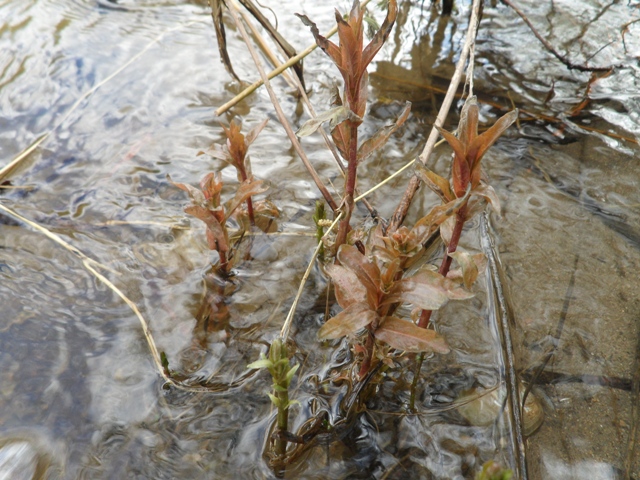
(80,396)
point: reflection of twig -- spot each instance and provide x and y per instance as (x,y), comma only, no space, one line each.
(414,183)
(556,338)
(568,63)
(635,412)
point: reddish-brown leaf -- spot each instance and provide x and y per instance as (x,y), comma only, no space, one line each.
(245,191)
(216,230)
(350,320)
(254,132)
(405,335)
(327,46)
(468,125)
(349,289)
(439,185)
(366,271)
(380,138)
(196,196)
(427,290)
(381,35)
(481,144)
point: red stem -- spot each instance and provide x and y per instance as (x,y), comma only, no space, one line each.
(350,185)
(425,316)
(243,175)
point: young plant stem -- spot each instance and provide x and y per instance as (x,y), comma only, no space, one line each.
(243,175)
(350,185)
(280,114)
(425,316)
(282,422)
(401,210)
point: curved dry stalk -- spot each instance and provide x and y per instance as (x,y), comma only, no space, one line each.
(276,104)
(90,264)
(284,333)
(401,211)
(25,153)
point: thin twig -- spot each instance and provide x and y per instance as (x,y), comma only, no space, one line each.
(233,10)
(274,73)
(556,338)
(265,47)
(286,327)
(401,210)
(25,153)
(568,63)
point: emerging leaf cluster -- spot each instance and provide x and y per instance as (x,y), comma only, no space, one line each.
(206,201)
(277,363)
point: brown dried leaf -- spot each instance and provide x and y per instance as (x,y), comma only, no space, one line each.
(404,335)
(350,320)
(254,132)
(381,137)
(489,194)
(467,265)
(335,116)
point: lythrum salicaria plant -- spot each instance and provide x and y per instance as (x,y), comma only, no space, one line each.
(352,58)
(466,180)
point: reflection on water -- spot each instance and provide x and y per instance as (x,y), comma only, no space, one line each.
(79,394)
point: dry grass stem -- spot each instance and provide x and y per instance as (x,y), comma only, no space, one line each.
(414,183)
(284,333)
(274,73)
(89,264)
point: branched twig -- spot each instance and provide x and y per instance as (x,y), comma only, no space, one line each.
(568,63)
(414,183)
(276,104)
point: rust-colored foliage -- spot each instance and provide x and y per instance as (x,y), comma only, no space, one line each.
(469,147)
(234,152)
(352,60)
(366,288)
